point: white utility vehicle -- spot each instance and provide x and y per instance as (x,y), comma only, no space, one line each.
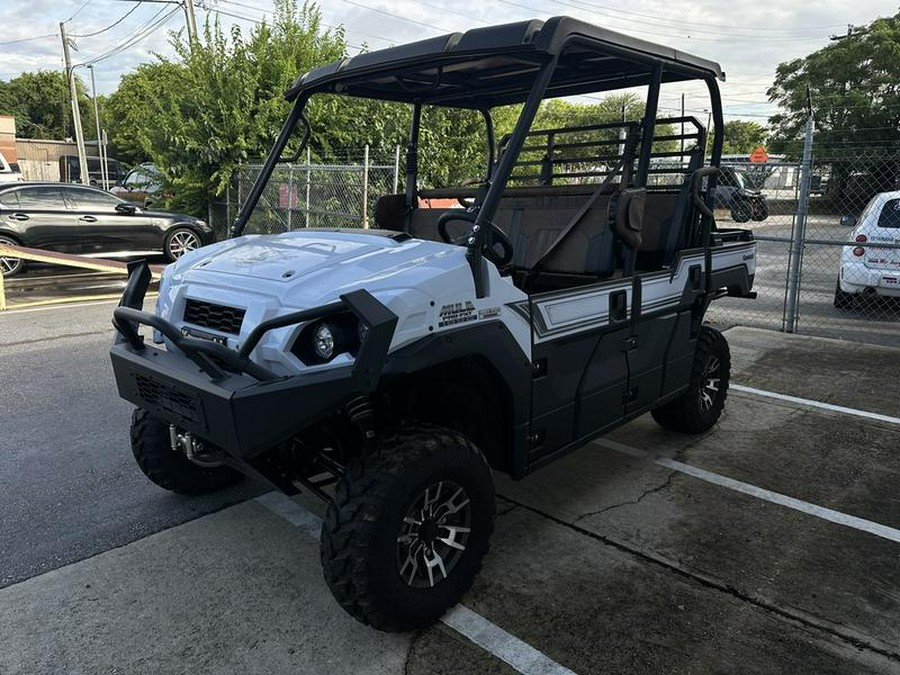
(389,371)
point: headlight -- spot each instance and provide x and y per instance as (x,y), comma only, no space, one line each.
(323,341)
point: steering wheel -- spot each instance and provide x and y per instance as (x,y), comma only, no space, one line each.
(499,236)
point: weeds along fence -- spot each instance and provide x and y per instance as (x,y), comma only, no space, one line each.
(316,194)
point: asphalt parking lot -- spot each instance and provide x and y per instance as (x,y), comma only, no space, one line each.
(770,544)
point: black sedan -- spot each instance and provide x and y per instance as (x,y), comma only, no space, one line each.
(88,221)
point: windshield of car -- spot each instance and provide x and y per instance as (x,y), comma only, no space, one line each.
(890,215)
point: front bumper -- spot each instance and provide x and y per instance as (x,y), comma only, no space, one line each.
(224,397)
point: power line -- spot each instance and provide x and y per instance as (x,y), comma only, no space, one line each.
(78,11)
(327,25)
(112,25)
(149,28)
(30,39)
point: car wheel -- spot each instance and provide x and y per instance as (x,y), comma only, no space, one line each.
(741,212)
(699,408)
(152,449)
(408,529)
(842,299)
(11,266)
(179,241)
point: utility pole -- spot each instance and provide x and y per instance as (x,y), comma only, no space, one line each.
(191,21)
(682,126)
(101,146)
(76,113)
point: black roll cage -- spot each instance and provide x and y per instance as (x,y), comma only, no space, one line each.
(650,63)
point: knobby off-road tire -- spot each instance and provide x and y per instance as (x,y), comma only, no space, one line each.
(169,469)
(699,408)
(376,559)
(741,211)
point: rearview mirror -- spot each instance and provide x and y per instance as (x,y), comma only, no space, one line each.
(127,209)
(848,221)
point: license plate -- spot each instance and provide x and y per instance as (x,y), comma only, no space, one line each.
(202,335)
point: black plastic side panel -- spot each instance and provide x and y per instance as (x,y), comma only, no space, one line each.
(647,360)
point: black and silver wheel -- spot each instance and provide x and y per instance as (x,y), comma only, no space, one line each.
(408,529)
(700,407)
(179,241)
(168,468)
(741,211)
(10,266)
(842,299)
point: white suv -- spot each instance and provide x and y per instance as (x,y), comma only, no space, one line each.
(867,267)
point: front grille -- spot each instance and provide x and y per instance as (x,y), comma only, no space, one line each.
(165,396)
(218,317)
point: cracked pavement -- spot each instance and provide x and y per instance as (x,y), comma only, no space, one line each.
(604,561)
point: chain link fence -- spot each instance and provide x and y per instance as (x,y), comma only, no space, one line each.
(316,194)
(828,249)
(826,265)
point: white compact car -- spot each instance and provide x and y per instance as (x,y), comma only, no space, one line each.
(866,267)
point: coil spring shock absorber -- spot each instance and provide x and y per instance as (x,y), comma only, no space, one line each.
(361,414)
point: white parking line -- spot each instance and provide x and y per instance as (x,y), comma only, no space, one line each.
(487,635)
(816,404)
(830,515)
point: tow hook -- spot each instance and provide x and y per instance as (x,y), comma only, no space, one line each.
(184,442)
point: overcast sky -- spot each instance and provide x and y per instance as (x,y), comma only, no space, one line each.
(748,38)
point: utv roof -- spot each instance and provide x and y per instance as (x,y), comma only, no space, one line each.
(486,67)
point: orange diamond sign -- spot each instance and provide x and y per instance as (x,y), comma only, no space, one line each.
(759,154)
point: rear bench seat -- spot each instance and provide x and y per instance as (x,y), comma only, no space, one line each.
(533,218)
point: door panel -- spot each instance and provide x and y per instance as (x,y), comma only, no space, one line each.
(647,360)
(105,230)
(45,220)
(581,375)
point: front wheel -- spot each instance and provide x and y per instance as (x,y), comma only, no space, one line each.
(179,241)
(408,528)
(741,212)
(169,469)
(700,407)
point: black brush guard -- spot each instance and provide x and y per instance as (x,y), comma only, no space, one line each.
(222,396)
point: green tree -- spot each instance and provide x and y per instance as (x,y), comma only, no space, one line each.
(854,89)
(220,104)
(41,104)
(743,137)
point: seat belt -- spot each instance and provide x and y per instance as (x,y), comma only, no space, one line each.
(627,154)
(682,209)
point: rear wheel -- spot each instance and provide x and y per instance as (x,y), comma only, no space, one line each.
(170,469)
(700,407)
(760,211)
(408,528)
(842,299)
(10,266)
